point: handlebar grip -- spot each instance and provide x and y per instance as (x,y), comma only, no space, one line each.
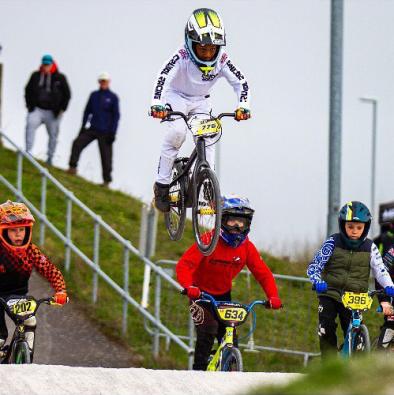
(226,114)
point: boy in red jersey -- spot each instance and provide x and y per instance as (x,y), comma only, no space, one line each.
(214,274)
(18,257)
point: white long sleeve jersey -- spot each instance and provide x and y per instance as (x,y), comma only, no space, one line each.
(181,75)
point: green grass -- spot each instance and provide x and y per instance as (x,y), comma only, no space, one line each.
(362,376)
(294,327)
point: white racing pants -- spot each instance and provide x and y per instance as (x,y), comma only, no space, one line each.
(176,133)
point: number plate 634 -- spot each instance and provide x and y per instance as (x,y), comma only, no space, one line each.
(235,314)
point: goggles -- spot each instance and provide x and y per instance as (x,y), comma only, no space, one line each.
(232,222)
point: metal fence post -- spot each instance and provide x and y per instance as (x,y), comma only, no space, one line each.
(147,246)
(43,206)
(156,336)
(125,288)
(96,257)
(68,233)
(191,342)
(19,175)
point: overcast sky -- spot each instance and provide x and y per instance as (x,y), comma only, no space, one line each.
(279,159)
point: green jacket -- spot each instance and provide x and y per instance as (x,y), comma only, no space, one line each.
(347,270)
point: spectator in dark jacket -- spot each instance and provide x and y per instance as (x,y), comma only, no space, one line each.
(47,95)
(102,114)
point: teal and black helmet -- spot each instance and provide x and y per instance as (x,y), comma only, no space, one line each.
(354,211)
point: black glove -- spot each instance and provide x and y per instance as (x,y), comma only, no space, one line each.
(30,108)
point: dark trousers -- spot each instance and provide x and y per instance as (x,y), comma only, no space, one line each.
(105,141)
(329,309)
(3,325)
(208,327)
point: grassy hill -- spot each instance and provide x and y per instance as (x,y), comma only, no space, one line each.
(294,327)
(361,376)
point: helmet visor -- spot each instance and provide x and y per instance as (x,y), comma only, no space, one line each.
(235,224)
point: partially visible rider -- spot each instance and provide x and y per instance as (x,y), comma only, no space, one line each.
(18,257)
(184,84)
(214,273)
(387,329)
(343,263)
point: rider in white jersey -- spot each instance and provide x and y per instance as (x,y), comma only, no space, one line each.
(184,84)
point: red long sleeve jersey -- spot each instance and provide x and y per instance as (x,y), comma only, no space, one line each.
(15,271)
(214,273)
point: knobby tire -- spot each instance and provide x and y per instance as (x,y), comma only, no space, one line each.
(231,360)
(206,178)
(362,342)
(21,354)
(176,217)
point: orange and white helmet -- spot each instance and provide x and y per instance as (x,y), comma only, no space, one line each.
(15,215)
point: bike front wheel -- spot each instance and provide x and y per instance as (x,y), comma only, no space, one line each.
(231,360)
(207,210)
(175,218)
(20,354)
(361,341)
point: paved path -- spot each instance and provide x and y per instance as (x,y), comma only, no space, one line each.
(64,336)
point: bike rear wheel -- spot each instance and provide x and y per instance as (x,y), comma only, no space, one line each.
(175,218)
(361,341)
(20,354)
(231,360)
(207,210)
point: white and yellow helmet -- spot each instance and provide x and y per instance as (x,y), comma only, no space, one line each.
(204,26)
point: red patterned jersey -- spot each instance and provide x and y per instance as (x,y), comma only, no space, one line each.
(15,270)
(214,273)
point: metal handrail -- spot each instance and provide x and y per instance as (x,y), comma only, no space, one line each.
(70,246)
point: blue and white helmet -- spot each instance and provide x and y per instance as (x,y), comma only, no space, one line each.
(238,207)
(204,27)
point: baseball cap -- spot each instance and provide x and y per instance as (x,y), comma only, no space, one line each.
(104,76)
(47,59)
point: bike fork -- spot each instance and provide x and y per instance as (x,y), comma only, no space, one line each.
(227,340)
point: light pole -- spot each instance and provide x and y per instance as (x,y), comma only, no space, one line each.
(374,102)
(335,135)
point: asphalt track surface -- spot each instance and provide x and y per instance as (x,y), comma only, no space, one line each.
(66,380)
(64,336)
(96,365)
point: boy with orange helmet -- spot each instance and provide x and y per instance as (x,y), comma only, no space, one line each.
(18,257)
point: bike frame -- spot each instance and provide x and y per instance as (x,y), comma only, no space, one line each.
(198,154)
(228,338)
(19,332)
(354,328)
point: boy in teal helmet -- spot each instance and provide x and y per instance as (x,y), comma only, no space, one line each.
(343,263)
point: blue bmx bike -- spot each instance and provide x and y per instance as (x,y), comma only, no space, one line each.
(357,338)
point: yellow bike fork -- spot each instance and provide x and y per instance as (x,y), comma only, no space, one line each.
(227,340)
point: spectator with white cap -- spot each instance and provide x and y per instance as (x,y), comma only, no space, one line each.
(47,95)
(100,122)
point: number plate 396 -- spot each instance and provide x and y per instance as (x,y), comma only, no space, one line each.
(357,301)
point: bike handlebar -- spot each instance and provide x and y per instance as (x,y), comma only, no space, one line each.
(3,302)
(209,298)
(370,293)
(185,118)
